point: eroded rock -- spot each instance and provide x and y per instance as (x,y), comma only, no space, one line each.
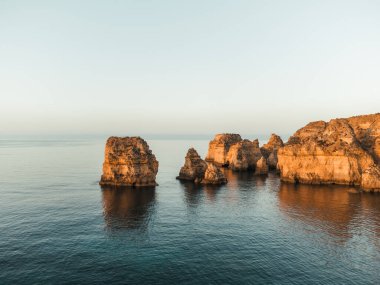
(128,161)
(219,147)
(194,167)
(243,155)
(342,151)
(269,150)
(199,171)
(261,166)
(213,175)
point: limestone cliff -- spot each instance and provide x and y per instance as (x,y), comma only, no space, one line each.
(269,150)
(199,171)
(194,167)
(261,166)
(342,151)
(219,147)
(128,161)
(213,175)
(243,155)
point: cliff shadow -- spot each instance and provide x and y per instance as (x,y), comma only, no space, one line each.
(127,208)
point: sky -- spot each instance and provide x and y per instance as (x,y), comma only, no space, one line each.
(185,67)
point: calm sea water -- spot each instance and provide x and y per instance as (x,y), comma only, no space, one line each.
(57,226)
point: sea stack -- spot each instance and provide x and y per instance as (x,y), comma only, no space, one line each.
(194,168)
(128,161)
(269,150)
(230,150)
(219,147)
(341,151)
(243,155)
(199,171)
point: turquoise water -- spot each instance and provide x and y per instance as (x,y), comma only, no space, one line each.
(58,226)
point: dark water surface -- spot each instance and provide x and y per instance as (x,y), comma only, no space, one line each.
(57,226)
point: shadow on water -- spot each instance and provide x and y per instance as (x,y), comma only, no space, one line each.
(128,208)
(331,208)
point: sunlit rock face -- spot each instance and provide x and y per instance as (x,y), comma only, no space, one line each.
(128,161)
(213,175)
(342,151)
(269,150)
(230,150)
(219,147)
(261,166)
(371,178)
(199,171)
(194,167)
(243,155)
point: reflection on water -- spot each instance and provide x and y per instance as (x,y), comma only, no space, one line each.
(127,207)
(236,179)
(335,210)
(194,192)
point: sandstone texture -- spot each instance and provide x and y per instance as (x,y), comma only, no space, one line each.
(194,168)
(219,147)
(341,151)
(199,171)
(243,155)
(213,175)
(230,150)
(269,150)
(261,166)
(128,161)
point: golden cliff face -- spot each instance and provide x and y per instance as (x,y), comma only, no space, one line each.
(269,150)
(128,161)
(219,147)
(243,155)
(199,171)
(342,151)
(230,150)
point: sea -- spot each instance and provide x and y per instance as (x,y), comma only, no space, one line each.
(58,226)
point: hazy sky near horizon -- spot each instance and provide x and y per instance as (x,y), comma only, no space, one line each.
(185,67)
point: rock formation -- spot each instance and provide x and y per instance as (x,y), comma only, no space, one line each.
(128,161)
(199,171)
(261,166)
(219,147)
(269,150)
(213,175)
(230,150)
(243,155)
(194,168)
(342,151)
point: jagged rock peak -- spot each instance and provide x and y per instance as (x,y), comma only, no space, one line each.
(194,167)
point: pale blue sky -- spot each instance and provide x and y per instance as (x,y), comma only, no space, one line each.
(177,67)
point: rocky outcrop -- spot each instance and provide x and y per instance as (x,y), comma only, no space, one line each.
(128,161)
(199,171)
(371,178)
(219,147)
(261,166)
(213,175)
(342,151)
(230,150)
(243,155)
(194,168)
(269,150)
